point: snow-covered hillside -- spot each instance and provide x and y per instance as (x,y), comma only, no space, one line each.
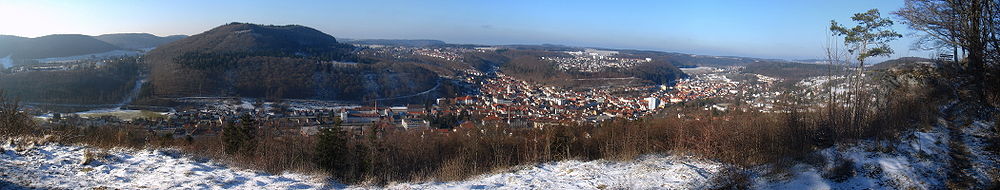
(60,167)
(649,172)
(918,160)
(921,159)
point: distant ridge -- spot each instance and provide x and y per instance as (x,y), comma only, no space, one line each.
(59,45)
(137,41)
(396,42)
(236,37)
(901,62)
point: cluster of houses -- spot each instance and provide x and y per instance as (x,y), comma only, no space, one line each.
(70,65)
(594,63)
(506,100)
(715,83)
(400,52)
(450,54)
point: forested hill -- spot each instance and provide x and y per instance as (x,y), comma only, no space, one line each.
(137,41)
(250,60)
(60,45)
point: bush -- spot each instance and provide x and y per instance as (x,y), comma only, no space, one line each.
(731,178)
(842,170)
(993,142)
(12,121)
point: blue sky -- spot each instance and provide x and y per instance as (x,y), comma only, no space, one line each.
(789,29)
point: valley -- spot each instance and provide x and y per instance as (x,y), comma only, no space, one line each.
(500,95)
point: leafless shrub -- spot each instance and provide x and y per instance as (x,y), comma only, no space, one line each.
(731,178)
(12,122)
(842,169)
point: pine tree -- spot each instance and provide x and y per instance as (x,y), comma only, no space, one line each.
(240,138)
(331,152)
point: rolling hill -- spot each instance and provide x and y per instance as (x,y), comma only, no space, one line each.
(292,61)
(59,45)
(137,41)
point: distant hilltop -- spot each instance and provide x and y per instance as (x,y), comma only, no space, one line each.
(66,45)
(395,42)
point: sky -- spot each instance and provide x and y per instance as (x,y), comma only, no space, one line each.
(783,29)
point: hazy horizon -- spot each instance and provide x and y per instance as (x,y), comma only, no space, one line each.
(769,29)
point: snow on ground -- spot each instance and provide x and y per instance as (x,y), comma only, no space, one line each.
(59,167)
(914,163)
(917,160)
(649,172)
(984,163)
(115,53)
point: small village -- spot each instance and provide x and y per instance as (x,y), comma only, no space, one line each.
(591,60)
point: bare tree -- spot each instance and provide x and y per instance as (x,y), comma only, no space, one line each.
(970,25)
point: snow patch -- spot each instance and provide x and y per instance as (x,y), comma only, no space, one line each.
(917,161)
(649,172)
(59,167)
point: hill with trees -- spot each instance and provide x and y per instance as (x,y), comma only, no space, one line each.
(901,62)
(106,84)
(292,61)
(59,45)
(137,40)
(524,62)
(793,71)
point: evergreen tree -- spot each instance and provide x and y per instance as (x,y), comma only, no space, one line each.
(240,138)
(332,153)
(870,38)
